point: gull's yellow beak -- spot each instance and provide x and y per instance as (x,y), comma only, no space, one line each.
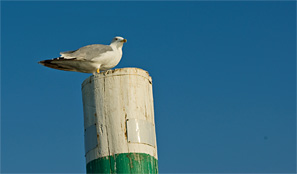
(125,40)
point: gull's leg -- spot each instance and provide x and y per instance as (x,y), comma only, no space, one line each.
(97,69)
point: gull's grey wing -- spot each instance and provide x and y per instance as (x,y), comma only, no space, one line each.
(67,54)
(87,52)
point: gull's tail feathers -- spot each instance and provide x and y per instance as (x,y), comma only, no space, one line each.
(58,63)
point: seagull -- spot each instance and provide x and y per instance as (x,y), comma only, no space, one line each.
(89,59)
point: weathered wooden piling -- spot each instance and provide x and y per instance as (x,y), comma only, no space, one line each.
(119,122)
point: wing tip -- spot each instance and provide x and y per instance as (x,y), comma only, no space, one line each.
(43,62)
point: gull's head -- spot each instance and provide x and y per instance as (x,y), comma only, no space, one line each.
(118,41)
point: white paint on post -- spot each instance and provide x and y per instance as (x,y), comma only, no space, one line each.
(112,100)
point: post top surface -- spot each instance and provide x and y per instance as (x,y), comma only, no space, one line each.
(118,72)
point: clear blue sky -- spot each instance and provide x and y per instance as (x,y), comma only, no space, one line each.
(224,79)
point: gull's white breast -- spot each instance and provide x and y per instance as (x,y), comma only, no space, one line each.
(108,59)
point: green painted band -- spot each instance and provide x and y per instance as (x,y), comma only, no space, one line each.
(124,163)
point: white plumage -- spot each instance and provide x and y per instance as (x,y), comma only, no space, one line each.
(90,58)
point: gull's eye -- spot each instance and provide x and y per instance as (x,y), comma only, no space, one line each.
(115,38)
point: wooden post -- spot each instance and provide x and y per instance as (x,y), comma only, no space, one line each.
(119,122)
